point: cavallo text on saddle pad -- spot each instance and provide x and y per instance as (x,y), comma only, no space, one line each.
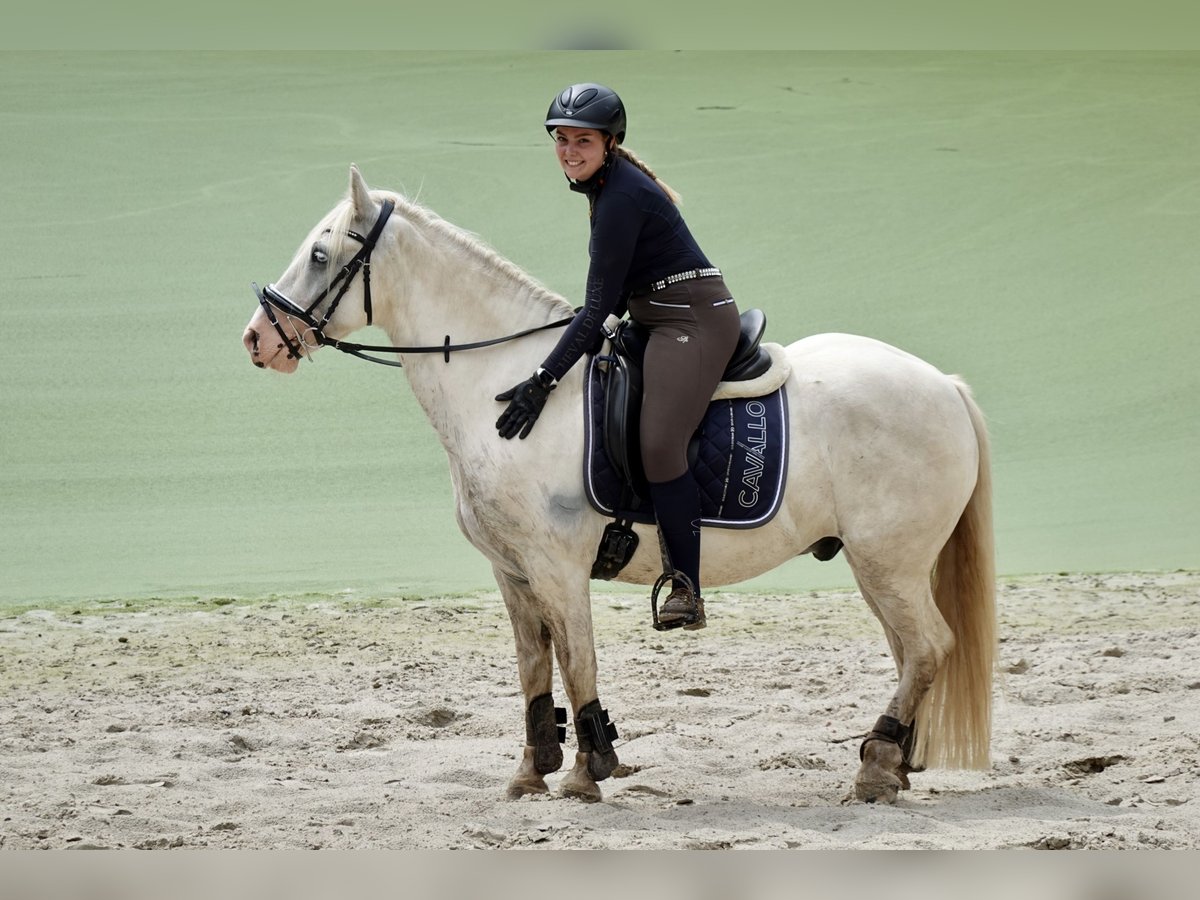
(755,461)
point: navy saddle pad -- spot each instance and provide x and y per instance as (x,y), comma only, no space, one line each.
(739,458)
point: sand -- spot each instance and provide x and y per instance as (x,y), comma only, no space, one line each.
(340,722)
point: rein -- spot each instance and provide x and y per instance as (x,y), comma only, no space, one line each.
(271,299)
(445,348)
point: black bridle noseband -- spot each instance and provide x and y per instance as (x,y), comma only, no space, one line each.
(271,299)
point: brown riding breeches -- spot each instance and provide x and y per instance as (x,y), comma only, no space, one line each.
(693,332)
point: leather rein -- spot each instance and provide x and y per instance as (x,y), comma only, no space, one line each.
(270,299)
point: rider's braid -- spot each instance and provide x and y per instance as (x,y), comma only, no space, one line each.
(628,154)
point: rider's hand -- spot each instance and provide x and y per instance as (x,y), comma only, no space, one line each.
(525,402)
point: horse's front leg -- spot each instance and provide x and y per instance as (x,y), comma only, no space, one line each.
(575,648)
(543,731)
(548,621)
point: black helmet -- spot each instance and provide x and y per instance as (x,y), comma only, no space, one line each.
(588,106)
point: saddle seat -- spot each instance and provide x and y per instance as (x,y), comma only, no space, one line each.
(749,360)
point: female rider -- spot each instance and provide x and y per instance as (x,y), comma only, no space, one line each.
(645,261)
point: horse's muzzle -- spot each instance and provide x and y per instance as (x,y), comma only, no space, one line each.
(250,342)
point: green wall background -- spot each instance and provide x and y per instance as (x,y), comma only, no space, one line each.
(1030,221)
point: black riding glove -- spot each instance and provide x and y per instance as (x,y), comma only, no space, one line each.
(525,402)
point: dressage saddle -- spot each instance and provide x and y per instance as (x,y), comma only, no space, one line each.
(623,391)
(621,423)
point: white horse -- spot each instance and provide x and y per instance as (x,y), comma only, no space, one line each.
(887,454)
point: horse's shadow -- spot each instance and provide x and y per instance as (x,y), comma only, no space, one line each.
(999,817)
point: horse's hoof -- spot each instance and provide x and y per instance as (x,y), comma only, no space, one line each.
(523,787)
(877,790)
(579,783)
(517,791)
(588,793)
(878,780)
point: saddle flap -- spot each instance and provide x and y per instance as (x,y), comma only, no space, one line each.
(622,418)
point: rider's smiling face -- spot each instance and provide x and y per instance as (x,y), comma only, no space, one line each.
(580,151)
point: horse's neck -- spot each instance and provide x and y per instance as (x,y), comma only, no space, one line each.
(458,290)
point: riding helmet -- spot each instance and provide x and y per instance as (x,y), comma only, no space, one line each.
(588,106)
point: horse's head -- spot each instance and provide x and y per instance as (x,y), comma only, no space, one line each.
(321,297)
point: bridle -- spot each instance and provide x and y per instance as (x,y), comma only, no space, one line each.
(270,299)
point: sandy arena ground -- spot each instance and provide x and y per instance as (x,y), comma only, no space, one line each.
(338,723)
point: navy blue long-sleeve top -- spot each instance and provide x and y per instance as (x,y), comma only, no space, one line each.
(638,237)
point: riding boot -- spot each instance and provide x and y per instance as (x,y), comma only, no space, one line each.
(677,508)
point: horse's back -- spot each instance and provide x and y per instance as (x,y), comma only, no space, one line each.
(854,352)
(850,374)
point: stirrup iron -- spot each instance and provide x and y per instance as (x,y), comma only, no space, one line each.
(696,616)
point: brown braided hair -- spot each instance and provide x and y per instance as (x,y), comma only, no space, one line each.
(626,153)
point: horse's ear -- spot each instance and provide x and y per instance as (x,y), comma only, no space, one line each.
(360,194)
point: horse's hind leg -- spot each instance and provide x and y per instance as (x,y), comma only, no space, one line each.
(543,734)
(920,641)
(908,734)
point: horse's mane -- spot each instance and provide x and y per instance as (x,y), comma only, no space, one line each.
(340,221)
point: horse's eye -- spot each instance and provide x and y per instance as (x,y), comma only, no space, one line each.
(319,256)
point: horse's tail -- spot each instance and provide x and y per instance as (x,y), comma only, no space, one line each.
(954,721)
